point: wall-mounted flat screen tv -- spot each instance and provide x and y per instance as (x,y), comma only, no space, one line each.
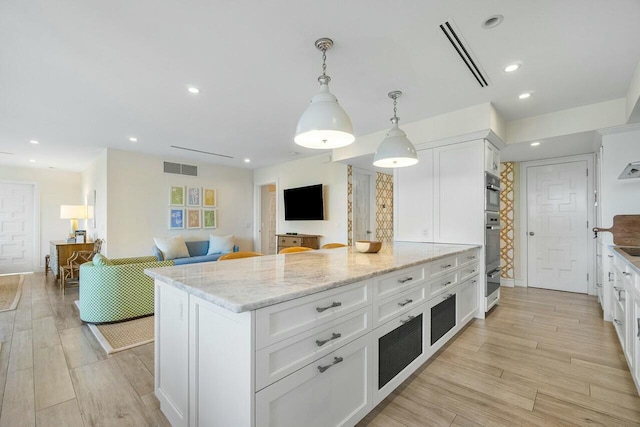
(303,203)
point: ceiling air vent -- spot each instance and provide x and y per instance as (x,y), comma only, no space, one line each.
(180,169)
(464,53)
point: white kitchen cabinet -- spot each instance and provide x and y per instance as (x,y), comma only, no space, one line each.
(468,296)
(171,353)
(491,159)
(332,391)
(413,193)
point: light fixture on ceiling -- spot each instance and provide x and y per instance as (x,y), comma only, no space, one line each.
(34,142)
(247,160)
(32,160)
(524,95)
(396,150)
(492,21)
(535,144)
(324,124)
(193,90)
(511,68)
(133,139)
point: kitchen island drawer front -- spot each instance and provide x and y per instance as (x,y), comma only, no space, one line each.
(386,310)
(278,322)
(472,256)
(443,266)
(468,272)
(333,391)
(440,285)
(399,281)
(287,356)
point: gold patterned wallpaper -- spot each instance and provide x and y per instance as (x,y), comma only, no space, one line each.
(507,235)
(349,205)
(384,207)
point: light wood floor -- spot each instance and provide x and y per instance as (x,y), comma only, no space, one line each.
(54,373)
(540,358)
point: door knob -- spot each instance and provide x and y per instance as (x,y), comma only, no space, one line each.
(531,233)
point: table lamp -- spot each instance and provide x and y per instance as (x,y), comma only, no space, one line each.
(73,213)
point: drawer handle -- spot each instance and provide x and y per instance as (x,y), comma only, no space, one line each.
(408,279)
(402,304)
(471,257)
(334,304)
(336,360)
(618,289)
(599,285)
(610,256)
(626,274)
(410,318)
(334,336)
(445,266)
(617,322)
(638,334)
(446,284)
(447,296)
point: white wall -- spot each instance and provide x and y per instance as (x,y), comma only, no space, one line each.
(138,202)
(94,178)
(618,196)
(309,171)
(54,188)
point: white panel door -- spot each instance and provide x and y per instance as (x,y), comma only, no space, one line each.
(16,228)
(557,226)
(363,186)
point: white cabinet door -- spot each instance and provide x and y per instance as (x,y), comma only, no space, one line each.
(491,159)
(459,193)
(413,192)
(635,336)
(333,391)
(468,300)
(171,353)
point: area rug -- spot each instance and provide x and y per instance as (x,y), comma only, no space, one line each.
(10,291)
(121,336)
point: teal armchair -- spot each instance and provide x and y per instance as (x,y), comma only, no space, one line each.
(117,291)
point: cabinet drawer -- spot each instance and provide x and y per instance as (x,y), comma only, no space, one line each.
(284,320)
(468,257)
(290,241)
(392,307)
(398,281)
(287,356)
(468,271)
(333,391)
(443,283)
(442,266)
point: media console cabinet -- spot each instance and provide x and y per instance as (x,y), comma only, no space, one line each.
(305,338)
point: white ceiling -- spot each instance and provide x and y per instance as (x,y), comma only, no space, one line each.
(81,76)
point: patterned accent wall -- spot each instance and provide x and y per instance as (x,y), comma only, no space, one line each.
(507,235)
(349,205)
(384,207)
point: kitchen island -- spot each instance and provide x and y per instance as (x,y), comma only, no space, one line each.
(304,338)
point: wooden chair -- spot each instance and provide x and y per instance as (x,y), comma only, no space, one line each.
(70,272)
(333,245)
(241,254)
(293,249)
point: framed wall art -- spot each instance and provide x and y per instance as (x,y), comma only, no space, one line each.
(176,196)
(193,218)
(208,197)
(209,218)
(176,219)
(194,196)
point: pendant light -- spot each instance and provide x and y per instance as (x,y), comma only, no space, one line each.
(324,124)
(396,150)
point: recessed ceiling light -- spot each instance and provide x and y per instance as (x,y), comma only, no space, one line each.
(247,160)
(32,160)
(33,141)
(524,95)
(133,139)
(492,21)
(511,68)
(535,144)
(192,89)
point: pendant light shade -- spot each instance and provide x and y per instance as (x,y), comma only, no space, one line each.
(324,124)
(396,150)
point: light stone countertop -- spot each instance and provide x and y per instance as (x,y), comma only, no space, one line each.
(250,283)
(633,261)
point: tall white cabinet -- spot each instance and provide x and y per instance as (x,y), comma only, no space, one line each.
(441,199)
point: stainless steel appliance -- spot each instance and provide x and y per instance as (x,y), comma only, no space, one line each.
(492,258)
(491,193)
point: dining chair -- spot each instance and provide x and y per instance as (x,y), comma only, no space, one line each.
(294,249)
(333,245)
(70,272)
(241,254)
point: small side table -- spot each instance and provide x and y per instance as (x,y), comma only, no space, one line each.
(60,251)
